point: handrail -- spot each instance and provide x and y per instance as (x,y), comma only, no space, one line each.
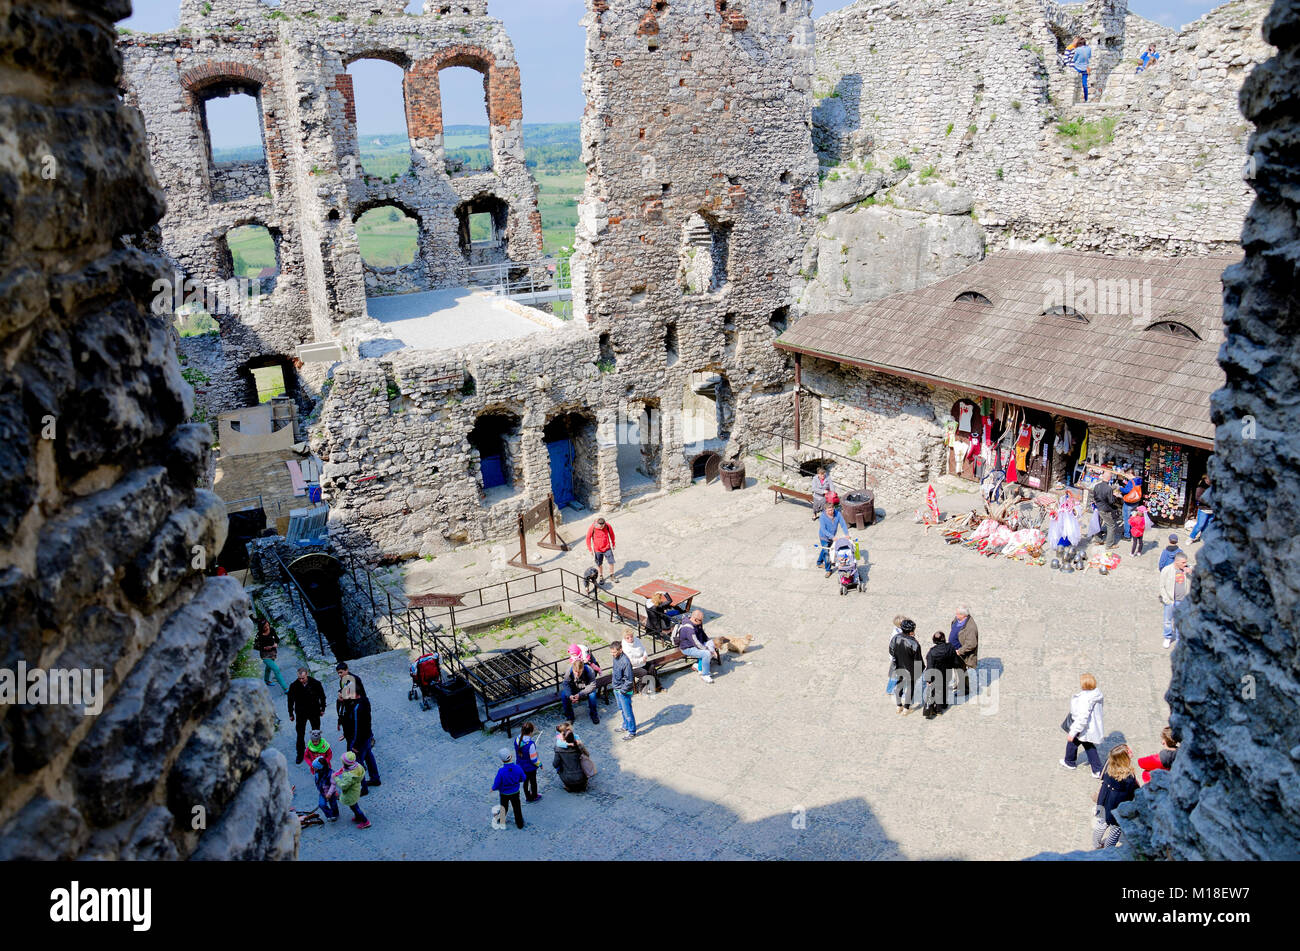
(292,585)
(820,450)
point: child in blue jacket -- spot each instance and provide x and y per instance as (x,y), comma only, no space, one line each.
(509,778)
(528,760)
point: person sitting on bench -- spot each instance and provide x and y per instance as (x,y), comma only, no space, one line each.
(637,654)
(660,613)
(579,680)
(693,642)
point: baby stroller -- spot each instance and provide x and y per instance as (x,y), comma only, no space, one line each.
(844,558)
(425,674)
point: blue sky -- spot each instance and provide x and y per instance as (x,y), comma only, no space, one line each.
(549,47)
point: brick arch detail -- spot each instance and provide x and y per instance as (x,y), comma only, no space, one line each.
(424,95)
(195,80)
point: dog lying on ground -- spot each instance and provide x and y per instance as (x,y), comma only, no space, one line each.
(736,645)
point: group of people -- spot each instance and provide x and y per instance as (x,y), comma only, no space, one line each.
(1118,778)
(358,771)
(947,672)
(571,761)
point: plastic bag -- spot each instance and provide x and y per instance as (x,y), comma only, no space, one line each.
(1150,525)
(1094,524)
(1070,531)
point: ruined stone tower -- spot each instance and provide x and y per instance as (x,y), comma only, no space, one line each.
(103,535)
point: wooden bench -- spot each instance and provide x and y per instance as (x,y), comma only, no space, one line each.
(514,711)
(783,493)
(624,613)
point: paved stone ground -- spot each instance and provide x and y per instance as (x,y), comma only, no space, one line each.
(448,318)
(795,751)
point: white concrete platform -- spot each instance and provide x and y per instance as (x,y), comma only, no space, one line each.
(454,317)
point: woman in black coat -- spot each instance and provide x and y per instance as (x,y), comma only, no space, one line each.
(905,664)
(568,763)
(940,659)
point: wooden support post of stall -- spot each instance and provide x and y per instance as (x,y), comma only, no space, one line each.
(530,519)
(798,385)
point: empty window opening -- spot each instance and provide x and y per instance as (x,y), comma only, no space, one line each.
(670,342)
(705,254)
(466,134)
(607,360)
(231,120)
(268,377)
(382,142)
(496,442)
(388,237)
(252,254)
(708,409)
(482,224)
(780,320)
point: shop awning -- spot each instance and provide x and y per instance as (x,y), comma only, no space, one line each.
(1126,342)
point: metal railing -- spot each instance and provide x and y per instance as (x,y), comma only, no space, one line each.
(544,278)
(819,452)
(298,597)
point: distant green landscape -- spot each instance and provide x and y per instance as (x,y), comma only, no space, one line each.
(551,151)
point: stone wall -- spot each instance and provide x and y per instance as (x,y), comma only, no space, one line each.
(1234,791)
(695,114)
(102,531)
(978,96)
(312,187)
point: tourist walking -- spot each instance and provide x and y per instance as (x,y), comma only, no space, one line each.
(306,703)
(964,636)
(822,486)
(506,785)
(1204,508)
(1175,581)
(1169,553)
(1164,759)
(829,524)
(693,642)
(327,793)
(622,680)
(568,763)
(579,681)
(1084,725)
(1137,527)
(939,661)
(1107,503)
(906,666)
(1118,785)
(600,542)
(529,760)
(267,645)
(350,779)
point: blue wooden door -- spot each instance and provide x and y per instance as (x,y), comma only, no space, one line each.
(494,471)
(561,470)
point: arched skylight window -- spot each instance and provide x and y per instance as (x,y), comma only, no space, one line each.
(1175,328)
(971,297)
(1060,310)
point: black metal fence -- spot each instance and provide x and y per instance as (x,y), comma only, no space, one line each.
(298,597)
(819,451)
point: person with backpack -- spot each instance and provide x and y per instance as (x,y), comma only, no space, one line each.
(349,780)
(1084,725)
(506,785)
(568,763)
(527,758)
(1131,498)
(905,664)
(267,645)
(621,684)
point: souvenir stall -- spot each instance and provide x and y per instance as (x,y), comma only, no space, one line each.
(1171,473)
(991,441)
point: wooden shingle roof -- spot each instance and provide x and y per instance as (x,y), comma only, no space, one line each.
(1113,359)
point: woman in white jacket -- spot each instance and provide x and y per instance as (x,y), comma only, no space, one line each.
(1085,728)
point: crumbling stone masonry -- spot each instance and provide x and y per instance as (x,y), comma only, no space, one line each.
(696,139)
(102,531)
(293,60)
(1234,791)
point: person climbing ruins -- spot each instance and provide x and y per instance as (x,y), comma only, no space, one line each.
(267,645)
(1081,61)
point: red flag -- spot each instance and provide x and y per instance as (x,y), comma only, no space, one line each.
(933,502)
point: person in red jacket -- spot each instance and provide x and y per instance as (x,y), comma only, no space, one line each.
(600,542)
(1162,760)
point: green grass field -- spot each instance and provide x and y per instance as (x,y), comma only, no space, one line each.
(386,242)
(251,250)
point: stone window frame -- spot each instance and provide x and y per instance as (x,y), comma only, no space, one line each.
(421,235)
(217,79)
(225,259)
(402,61)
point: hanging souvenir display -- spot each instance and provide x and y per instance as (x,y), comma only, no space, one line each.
(1166,481)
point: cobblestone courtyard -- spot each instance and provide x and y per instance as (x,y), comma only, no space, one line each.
(795,751)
